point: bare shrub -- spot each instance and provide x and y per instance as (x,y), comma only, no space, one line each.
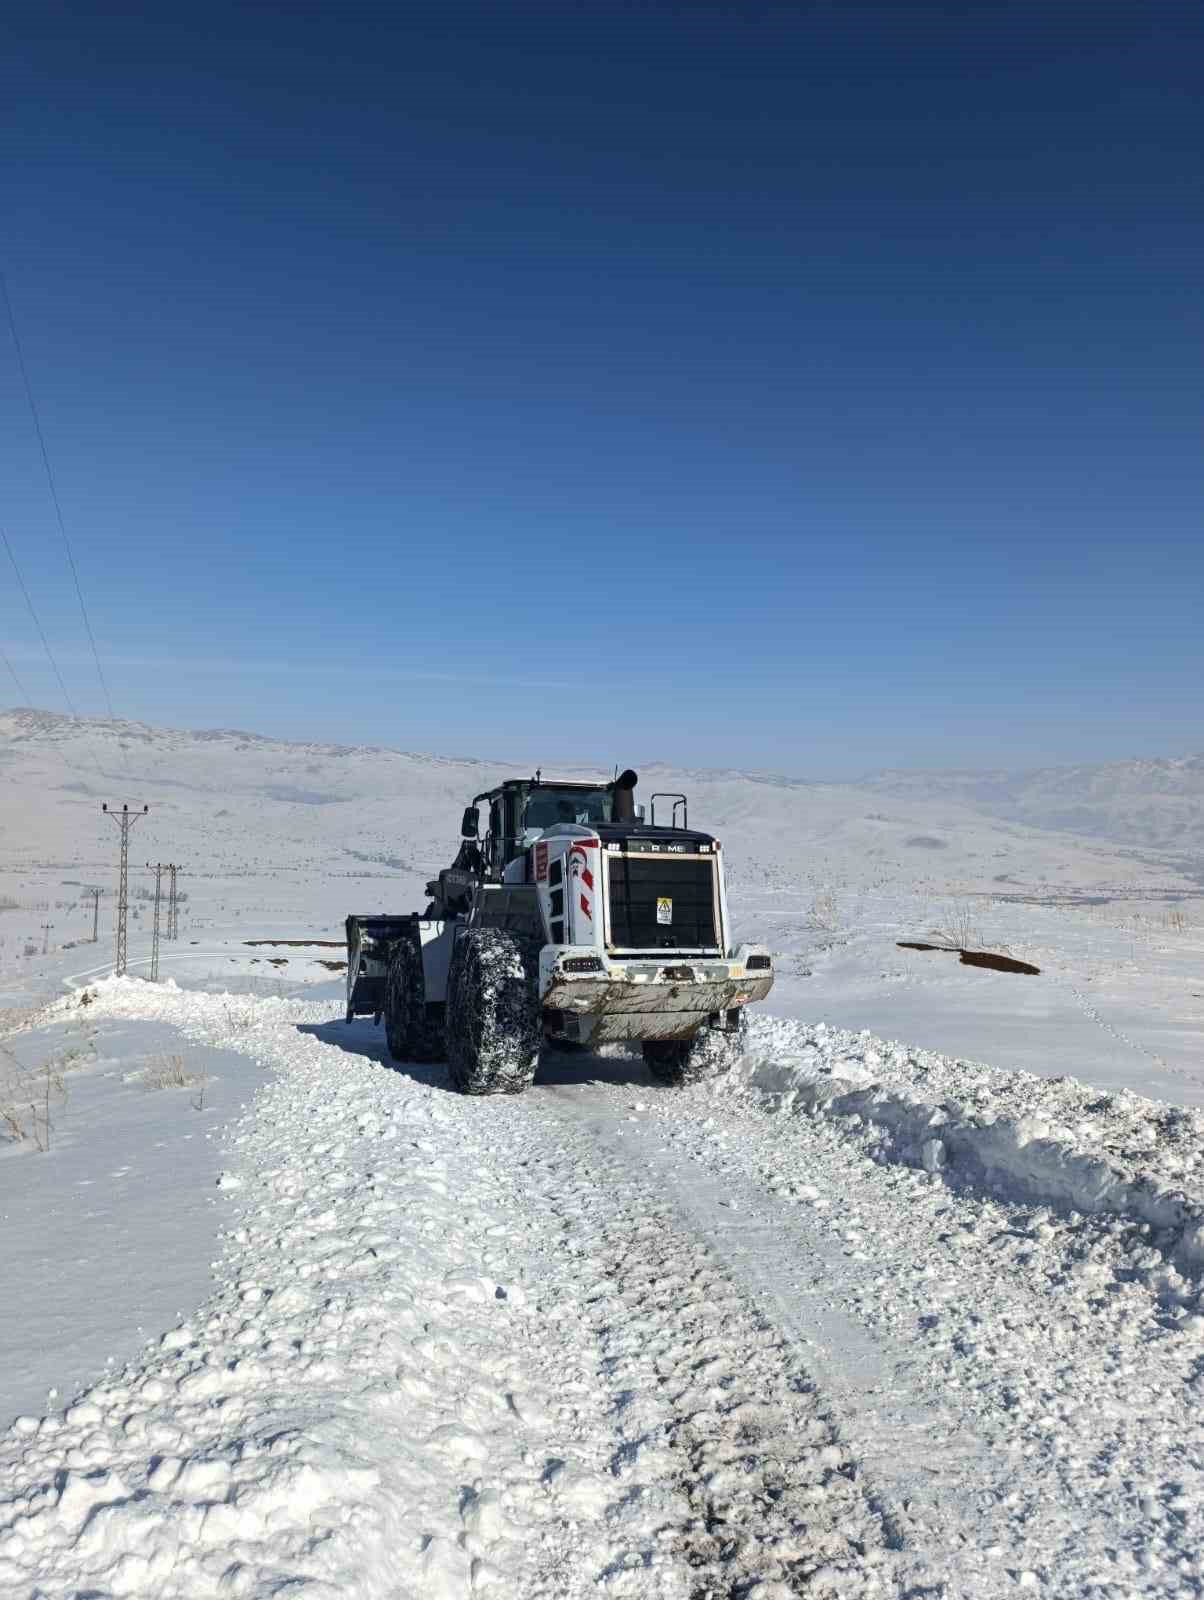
(12,1075)
(823,910)
(238,1019)
(1176,921)
(51,1089)
(26,1098)
(960,932)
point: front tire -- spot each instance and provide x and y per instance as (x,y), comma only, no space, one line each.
(709,1054)
(493,1023)
(410,1033)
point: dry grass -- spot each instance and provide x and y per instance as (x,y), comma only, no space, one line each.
(13,1019)
(27,1093)
(166,1072)
(169,1072)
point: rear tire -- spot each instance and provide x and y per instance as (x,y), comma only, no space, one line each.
(493,1023)
(410,1033)
(709,1054)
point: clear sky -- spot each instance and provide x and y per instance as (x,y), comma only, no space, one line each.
(804,386)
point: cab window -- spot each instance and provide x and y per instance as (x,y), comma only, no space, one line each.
(546,807)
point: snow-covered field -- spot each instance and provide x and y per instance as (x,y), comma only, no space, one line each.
(868,1316)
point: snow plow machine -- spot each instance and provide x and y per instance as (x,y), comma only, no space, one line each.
(574,922)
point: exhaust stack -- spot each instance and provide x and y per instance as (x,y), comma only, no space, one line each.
(623,790)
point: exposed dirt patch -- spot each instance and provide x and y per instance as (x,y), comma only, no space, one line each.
(977,958)
(300,944)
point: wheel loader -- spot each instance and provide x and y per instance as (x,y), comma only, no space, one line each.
(571,918)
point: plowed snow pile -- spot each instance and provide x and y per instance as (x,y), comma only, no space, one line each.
(1053,1140)
(855,1320)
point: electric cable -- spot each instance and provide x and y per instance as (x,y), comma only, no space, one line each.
(54,495)
(37,622)
(21,689)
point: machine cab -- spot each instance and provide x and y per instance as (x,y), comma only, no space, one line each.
(522,808)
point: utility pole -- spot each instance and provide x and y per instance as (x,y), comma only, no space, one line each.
(125,820)
(46,927)
(154,971)
(173,904)
(95,896)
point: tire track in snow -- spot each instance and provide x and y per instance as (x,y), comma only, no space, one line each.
(701,1381)
(1015,1391)
(715,1376)
(713,1419)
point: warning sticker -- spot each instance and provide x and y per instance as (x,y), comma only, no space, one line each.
(664,910)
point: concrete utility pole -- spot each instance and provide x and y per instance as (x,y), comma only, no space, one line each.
(154,971)
(125,820)
(95,894)
(46,927)
(173,904)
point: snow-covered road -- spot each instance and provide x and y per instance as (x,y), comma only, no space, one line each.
(786,1332)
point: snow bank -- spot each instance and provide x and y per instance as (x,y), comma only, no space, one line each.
(1055,1141)
(351,1411)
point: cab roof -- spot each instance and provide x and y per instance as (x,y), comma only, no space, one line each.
(602,785)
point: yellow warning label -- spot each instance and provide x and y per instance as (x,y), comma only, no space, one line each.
(664,910)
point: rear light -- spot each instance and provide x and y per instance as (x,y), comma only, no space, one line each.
(581,964)
(757,964)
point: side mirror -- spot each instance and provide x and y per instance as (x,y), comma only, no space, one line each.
(470,823)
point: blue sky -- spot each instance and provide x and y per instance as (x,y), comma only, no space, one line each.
(811,386)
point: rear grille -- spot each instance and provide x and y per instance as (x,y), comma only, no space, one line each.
(637,883)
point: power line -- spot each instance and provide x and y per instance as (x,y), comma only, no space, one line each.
(37,622)
(54,494)
(21,689)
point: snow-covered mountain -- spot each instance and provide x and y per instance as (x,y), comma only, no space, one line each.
(1146,803)
(238,802)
